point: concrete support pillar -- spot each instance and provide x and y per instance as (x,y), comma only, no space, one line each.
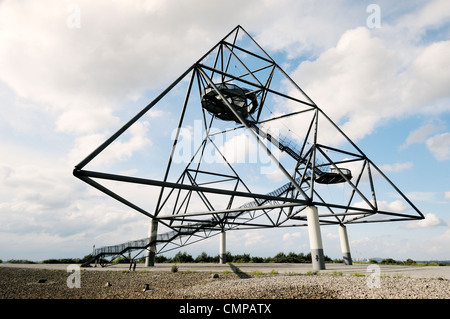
(223,247)
(315,238)
(345,247)
(151,250)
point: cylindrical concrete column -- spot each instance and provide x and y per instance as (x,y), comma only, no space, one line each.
(345,247)
(223,247)
(151,250)
(315,238)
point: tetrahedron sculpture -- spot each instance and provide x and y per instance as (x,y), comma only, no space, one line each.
(243,147)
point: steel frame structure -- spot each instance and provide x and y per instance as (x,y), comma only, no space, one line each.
(313,162)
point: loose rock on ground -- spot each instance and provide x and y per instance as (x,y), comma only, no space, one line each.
(21,283)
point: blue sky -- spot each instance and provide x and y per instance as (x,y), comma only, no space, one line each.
(72,72)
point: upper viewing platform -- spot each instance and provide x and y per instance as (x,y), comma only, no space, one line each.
(243,101)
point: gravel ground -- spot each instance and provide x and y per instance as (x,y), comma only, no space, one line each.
(21,283)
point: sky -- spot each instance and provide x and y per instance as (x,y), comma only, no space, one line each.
(73,72)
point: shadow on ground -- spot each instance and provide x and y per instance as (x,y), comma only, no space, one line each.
(239,272)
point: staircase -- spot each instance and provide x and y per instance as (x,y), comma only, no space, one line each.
(331,176)
(188,230)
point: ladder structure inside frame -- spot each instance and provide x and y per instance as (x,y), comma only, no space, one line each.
(245,148)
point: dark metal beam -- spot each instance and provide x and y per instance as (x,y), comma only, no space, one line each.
(151,182)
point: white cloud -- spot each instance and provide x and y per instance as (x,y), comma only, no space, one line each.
(439,146)
(355,168)
(447,195)
(396,206)
(332,236)
(429,76)
(119,150)
(36,199)
(414,25)
(82,73)
(243,148)
(292,236)
(89,71)
(422,196)
(83,121)
(397,167)
(155,113)
(76,71)
(431,220)
(353,73)
(305,26)
(362,82)
(240,149)
(121,50)
(276,176)
(253,239)
(421,134)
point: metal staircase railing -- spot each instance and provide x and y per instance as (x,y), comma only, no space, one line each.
(188,230)
(285,145)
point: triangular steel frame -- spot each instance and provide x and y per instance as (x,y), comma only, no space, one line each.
(283,207)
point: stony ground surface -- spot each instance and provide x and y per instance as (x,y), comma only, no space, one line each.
(20,283)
